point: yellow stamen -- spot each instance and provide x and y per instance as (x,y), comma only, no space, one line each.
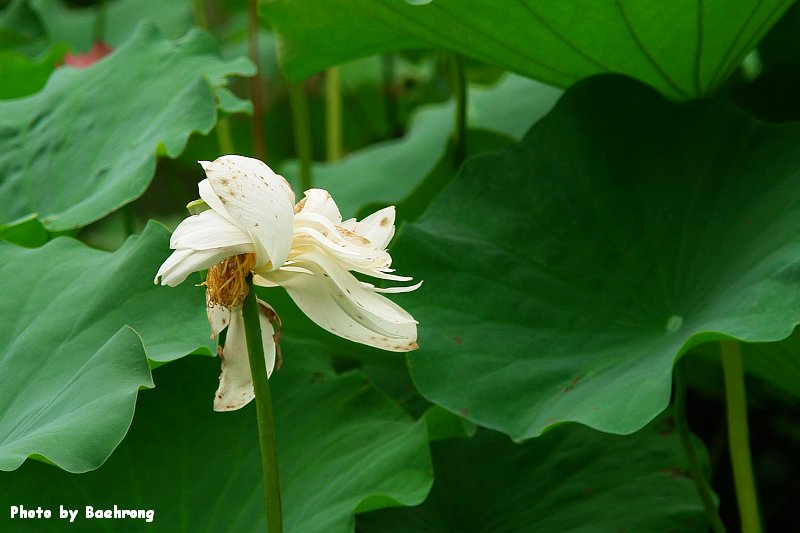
(226,284)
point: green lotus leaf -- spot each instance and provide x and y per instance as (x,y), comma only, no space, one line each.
(564,276)
(684,48)
(72,152)
(342,446)
(571,479)
(23,75)
(76,26)
(67,410)
(70,367)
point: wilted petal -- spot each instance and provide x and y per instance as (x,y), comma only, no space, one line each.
(207,230)
(319,201)
(266,315)
(377,227)
(355,294)
(259,201)
(320,223)
(353,256)
(208,195)
(354,250)
(348,309)
(183,262)
(236,383)
(393,290)
(305,232)
(218,317)
(382,274)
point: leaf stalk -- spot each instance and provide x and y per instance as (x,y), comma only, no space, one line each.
(738,436)
(698,477)
(333,113)
(459,89)
(256,91)
(301,123)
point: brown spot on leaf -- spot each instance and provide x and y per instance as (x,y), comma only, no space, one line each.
(384,222)
(572,385)
(463,412)
(458,340)
(675,472)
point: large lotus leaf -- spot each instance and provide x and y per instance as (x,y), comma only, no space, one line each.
(76,26)
(684,48)
(23,75)
(68,378)
(571,479)
(388,172)
(71,408)
(73,152)
(564,276)
(342,445)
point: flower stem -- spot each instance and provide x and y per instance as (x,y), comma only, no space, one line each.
(459,89)
(255,82)
(738,436)
(302,132)
(333,113)
(700,481)
(266,421)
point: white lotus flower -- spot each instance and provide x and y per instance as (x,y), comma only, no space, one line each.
(307,249)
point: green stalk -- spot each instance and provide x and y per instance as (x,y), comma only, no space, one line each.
(224,137)
(256,92)
(459,89)
(390,95)
(333,114)
(99,29)
(200,14)
(738,436)
(301,124)
(266,421)
(223,129)
(700,481)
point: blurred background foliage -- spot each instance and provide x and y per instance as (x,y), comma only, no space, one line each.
(392,425)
